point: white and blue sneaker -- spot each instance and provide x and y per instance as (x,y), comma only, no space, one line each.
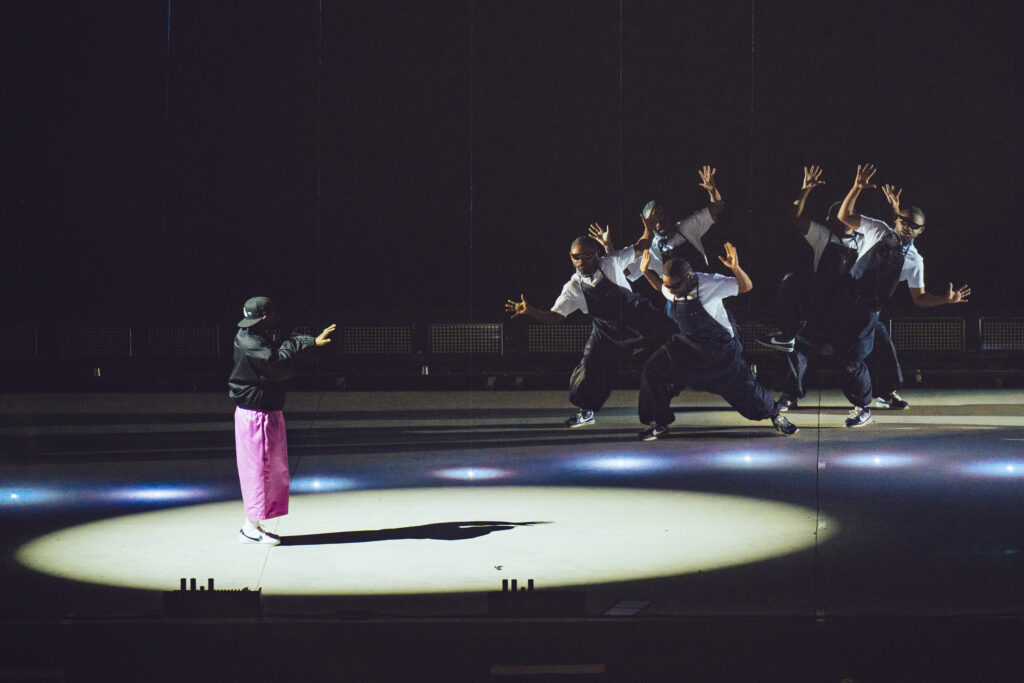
(784,426)
(774,341)
(859,417)
(653,432)
(261,538)
(892,401)
(581,418)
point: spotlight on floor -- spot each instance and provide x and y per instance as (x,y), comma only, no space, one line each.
(207,602)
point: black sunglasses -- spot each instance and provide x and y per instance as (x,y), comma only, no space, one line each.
(581,257)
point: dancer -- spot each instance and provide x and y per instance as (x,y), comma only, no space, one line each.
(263,362)
(681,238)
(622,319)
(883,364)
(704,354)
(803,297)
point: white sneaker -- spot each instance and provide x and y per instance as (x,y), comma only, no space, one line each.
(261,538)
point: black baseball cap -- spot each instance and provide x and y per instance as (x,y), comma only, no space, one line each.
(254,310)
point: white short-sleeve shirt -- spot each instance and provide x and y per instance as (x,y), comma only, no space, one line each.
(691,229)
(913,269)
(711,289)
(611,266)
(869,233)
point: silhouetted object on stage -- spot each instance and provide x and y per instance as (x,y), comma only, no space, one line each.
(527,602)
(207,602)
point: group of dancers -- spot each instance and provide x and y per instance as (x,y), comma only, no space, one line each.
(689,339)
(832,309)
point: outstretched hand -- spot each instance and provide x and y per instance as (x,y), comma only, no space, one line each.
(812,175)
(892,195)
(645,261)
(957,296)
(516,308)
(707,178)
(863,180)
(323,339)
(602,235)
(731,259)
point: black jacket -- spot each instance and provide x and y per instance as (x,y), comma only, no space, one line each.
(262,365)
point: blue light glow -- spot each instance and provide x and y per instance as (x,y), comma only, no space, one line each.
(874,460)
(1001,469)
(156,493)
(472,473)
(749,459)
(29,496)
(622,463)
(315,483)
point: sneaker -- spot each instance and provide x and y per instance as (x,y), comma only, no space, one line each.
(582,417)
(261,538)
(859,417)
(784,426)
(774,341)
(786,402)
(653,432)
(268,533)
(892,401)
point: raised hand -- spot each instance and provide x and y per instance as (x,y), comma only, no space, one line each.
(957,296)
(645,260)
(707,178)
(516,308)
(602,235)
(863,180)
(323,339)
(892,195)
(731,260)
(812,175)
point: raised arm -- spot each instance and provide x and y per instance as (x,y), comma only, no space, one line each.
(848,215)
(892,195)
(732,262)
(652,278)
(707,181)
(923,299)
(524,307)
(603,236)
(812,175)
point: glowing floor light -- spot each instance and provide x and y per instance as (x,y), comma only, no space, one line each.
(472,473)
(750,460)
(999,469)
(156,493)
(874,460)
(622,463)
(315,483)
(30,495)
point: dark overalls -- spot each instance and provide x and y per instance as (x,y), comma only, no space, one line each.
(802,301)
(853,316)
(702,355)
(622,322)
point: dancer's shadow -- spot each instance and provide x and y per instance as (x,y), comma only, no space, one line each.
(442,531)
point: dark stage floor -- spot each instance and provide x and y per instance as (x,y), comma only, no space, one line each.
(409,507)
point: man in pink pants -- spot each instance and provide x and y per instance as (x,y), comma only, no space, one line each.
(263,362)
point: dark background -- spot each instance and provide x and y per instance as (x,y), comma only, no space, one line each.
(386,161)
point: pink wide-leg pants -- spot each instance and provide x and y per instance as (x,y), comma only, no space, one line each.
(261,449)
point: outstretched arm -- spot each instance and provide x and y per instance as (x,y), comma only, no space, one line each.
(732,262)
(848,215)
(523,307)
(812,175)
(707,181)
(923,299)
